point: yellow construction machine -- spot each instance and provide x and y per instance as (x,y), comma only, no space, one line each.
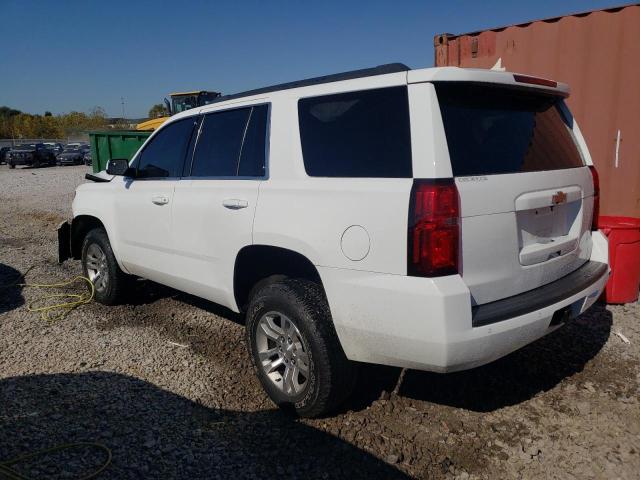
(180,102)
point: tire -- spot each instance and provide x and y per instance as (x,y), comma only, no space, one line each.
(36,163)
(329,376)
(11,165)
(100,266)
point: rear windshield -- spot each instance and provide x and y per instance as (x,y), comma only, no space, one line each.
(496,130)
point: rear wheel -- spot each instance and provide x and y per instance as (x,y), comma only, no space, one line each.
(295,349)
(100,266)
(11,165)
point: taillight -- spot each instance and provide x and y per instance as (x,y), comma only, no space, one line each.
(434,228)
(596,197)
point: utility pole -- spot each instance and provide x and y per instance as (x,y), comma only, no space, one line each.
(122,102)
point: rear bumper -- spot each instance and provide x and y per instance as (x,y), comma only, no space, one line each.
(539,298)
(428,324)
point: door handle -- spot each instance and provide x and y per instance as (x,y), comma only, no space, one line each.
(160,199)
(234,203)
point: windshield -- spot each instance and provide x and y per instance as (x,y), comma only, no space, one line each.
(180,104)
(25,147)
(495,130)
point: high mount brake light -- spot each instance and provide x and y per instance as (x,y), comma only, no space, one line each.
(535,80)
(596,197)
(434,228)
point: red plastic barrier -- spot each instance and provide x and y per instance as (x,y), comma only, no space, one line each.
(624,258)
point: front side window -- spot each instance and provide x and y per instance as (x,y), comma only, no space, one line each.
(357,134)
(164,155)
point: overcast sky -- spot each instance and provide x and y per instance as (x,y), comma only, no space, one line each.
(73,55)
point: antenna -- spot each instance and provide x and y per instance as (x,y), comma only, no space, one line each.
(122,102)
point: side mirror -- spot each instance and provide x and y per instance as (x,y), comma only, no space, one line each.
(119,166)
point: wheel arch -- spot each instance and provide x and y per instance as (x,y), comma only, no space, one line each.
(256,265)
(80,226)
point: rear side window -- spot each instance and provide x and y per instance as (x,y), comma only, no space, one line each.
(496,130)
(232,143)
(357,134)
(164,155)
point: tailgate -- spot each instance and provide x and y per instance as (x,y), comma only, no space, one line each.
(526,195)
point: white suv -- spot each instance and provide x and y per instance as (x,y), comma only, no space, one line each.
(435,219)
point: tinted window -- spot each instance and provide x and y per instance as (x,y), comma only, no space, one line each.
(219,143)
(493,130)
(252,158)
(357,134)
(164,154)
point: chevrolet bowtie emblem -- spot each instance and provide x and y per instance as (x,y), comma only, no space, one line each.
(559,197)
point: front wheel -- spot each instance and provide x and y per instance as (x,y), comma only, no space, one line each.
(11,165)
(100,266)
(295,349)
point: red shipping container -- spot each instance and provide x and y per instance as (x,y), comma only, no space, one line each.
(624,258)
(598,54)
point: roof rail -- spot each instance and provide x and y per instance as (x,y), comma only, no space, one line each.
(337,77)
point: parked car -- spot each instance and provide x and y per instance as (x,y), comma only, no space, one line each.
(434,219)
(76,146)
(3,154)
(32,154)
(71,155)
(57,148)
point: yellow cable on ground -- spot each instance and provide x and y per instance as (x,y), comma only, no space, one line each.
(7,472)
(63,308)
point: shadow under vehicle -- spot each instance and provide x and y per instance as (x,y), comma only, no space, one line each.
(10,292)
(153,433)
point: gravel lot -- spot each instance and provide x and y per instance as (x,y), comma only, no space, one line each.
(166,384)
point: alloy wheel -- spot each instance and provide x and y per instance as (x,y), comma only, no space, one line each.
(97,267)
(282,353)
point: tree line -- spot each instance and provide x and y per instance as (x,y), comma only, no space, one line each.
(17,124)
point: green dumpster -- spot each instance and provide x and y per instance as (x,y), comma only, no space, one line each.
(106,145)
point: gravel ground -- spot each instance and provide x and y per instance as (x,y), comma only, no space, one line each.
(167,385)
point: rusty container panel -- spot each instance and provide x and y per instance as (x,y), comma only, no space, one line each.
(598,54)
